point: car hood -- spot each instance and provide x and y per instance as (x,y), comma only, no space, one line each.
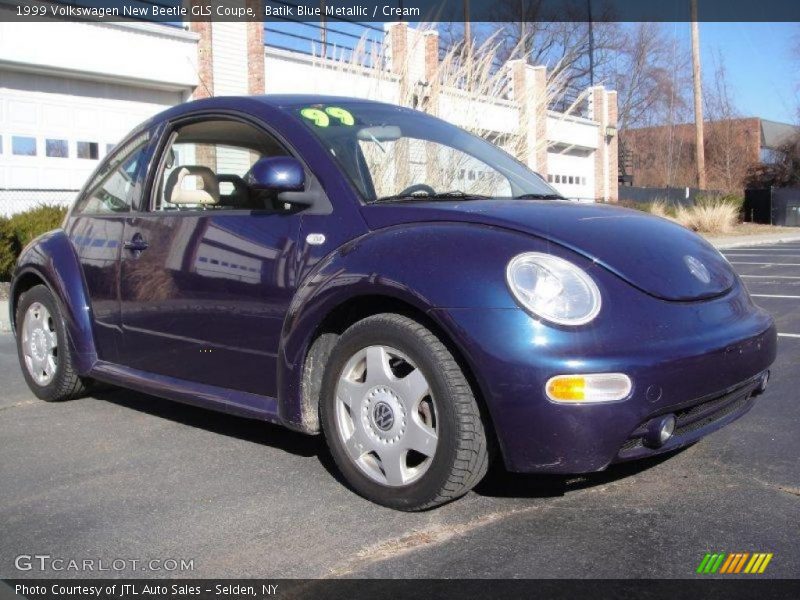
(655,255)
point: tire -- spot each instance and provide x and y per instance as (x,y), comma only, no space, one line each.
(430,445)
(36,361)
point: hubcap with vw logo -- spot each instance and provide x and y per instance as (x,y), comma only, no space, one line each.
(386,416)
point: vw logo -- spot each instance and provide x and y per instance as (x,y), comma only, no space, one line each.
(383,416)
(697,269)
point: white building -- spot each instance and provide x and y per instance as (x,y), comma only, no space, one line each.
(70,90)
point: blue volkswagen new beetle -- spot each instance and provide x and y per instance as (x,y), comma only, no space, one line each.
(377,275)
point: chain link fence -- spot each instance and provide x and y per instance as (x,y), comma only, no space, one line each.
(17,200)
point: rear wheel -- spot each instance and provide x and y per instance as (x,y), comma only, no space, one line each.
(399,416)
(42,346)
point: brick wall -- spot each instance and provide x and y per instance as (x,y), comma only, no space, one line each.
(665,156)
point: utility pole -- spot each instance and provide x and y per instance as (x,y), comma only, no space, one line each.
(698,101)
(323,30)
(467,30)
(591,44)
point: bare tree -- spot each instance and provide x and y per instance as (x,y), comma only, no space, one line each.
(727,143)
(650,72)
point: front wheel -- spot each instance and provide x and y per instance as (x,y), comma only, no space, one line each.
(399,416)
(42,346)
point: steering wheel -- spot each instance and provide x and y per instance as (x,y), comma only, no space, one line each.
(418,187)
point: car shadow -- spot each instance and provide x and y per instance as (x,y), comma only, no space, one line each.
(501,483)
(498,483)
(249,430)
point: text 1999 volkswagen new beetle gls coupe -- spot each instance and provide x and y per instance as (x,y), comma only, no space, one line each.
(378,275)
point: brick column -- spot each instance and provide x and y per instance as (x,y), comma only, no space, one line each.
(529,85)
(600,116)
(612,146)
(205,58)
(255,51)
(397,40)
(399,52)
(431,41)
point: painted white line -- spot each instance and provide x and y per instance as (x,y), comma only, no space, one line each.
(771,276)
(770,264)
(764,255)
(790,335)
(774,296)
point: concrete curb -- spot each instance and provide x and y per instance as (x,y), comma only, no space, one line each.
(754,240)
(5,324)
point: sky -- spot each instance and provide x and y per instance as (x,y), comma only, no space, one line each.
(762,64)
(761,59)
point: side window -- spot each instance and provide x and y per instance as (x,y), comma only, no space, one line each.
(111,189)
(206,165)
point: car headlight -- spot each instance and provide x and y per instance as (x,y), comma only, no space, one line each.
(553,288)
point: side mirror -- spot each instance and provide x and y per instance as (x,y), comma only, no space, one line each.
(277,174)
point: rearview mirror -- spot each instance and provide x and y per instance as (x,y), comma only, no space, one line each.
(380,133)
(277,174)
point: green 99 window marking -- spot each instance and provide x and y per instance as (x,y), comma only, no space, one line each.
(321,118)
(343,115)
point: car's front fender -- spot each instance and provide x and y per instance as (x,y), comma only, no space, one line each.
(51,258)
(424,265)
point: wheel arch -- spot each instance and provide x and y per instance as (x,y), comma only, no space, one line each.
(50,260)
(348,311)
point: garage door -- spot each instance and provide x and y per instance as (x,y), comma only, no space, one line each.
(54,130)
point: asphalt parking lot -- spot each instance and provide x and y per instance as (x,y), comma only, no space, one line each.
(126,476)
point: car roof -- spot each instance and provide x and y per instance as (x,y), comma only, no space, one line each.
(281,100)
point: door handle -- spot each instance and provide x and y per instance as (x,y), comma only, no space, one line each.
(136,244)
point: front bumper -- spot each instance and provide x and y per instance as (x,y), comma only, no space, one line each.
(698,361)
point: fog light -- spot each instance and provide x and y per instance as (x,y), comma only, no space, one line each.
(659,431)
(598,387)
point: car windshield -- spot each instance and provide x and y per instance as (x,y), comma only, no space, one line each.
(397,154)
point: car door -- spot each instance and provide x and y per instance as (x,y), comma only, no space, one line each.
(95,228)
(207,268)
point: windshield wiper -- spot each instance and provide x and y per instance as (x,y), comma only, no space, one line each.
(539,197)
(423,196)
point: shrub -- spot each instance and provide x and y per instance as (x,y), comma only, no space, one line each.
(17,231)
(733,199)
(712,216)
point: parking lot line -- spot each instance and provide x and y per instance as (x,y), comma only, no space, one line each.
(772,276)
(764,256)
(789,335)
(770,264)
(773,296)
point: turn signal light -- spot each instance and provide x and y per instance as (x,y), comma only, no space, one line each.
(598,387)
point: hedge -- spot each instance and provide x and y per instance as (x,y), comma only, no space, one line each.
(17,231)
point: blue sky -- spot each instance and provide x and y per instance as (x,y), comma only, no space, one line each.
(763,67)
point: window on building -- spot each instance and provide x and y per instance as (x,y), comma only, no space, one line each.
(56,148)
(558,178)
(90,150)
(110,148)
(23,145)
(1,144)
(549,178)
(571,179)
